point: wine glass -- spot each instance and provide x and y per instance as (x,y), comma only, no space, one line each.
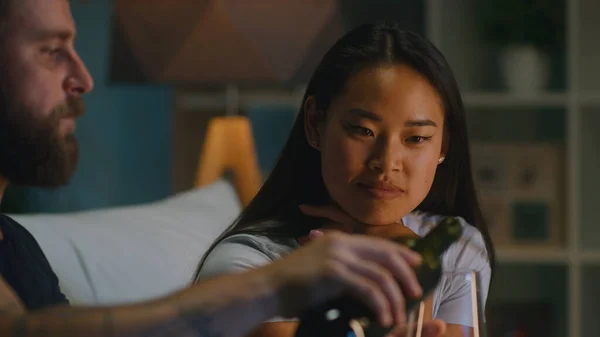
(465,304)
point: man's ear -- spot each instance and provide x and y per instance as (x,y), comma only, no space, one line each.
(312,121)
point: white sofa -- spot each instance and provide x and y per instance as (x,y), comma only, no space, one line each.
(129,254)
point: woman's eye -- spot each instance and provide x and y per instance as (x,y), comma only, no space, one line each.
(417,139)
(362,130)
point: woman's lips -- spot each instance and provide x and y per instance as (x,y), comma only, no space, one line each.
(382,191)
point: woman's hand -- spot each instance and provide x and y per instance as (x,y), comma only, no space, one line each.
(431,328)
(340,221)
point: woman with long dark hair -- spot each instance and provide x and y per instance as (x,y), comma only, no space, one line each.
(382,136)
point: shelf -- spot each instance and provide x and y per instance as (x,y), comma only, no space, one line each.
(592,258)
(589,305)
(490,99)
(589,99)
(532,255)
(519,286)
(589,181)
(517,124)
(545,256)
(587,49)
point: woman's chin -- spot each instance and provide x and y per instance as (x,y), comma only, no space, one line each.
(374,213)
(377,219)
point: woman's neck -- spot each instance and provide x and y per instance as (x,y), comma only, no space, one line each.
(387,231)
(392,230)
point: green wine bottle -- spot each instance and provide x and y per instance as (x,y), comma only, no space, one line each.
(343,316)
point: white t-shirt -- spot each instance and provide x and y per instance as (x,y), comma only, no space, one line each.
(452,297)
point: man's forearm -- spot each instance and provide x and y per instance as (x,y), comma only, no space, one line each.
(226,306)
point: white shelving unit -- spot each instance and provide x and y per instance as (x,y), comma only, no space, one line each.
(451,27)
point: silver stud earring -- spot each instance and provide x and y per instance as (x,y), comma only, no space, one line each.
(441,160)
(313,143)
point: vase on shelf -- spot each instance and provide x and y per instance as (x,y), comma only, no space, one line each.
(524,69)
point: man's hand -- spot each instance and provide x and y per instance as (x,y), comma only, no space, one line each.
(374,269)
(231,305)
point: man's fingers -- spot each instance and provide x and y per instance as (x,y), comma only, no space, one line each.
(404,273)
(385,264)
(387,283)
(396,258)
(367,291)
(315,234)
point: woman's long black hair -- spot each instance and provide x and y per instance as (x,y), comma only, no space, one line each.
(296,178)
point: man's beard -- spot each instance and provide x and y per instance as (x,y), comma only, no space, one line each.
(32,151)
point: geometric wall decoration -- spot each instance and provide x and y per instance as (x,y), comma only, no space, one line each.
(522,190)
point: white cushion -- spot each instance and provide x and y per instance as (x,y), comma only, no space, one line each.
(129,254)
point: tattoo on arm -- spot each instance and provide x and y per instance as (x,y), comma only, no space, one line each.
(64,322)
(189,322)
(198,321)
(69,322)
(179,315)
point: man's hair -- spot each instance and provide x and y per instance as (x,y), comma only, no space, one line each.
(4,9)
(5,6)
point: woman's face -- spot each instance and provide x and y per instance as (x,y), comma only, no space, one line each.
(380,143)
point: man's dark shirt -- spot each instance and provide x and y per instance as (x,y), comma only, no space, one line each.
(25,268)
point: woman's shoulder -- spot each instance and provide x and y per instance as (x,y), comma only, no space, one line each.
(273,247)
(244,251)
(423,222)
